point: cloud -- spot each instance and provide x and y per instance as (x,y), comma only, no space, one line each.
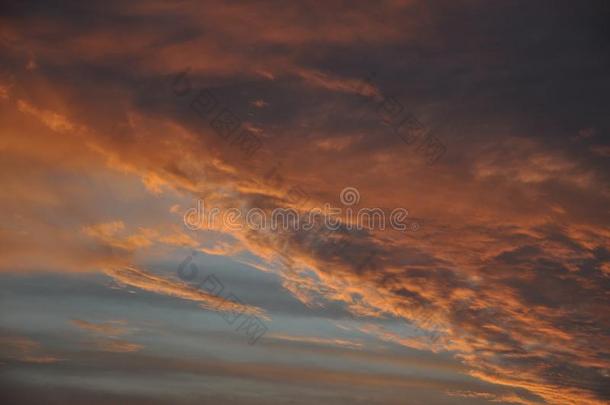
(53,120)
(510,399)
(24,349)
(159,285)
(512,259)
(110,328)
(117,346)
(106,233)
(315,340)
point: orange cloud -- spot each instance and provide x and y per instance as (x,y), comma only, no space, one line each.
(111,328)
(153,283)
(511,260)
(117,346)
(24,349)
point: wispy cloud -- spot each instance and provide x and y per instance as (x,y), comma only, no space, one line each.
(160,285)
(109,328)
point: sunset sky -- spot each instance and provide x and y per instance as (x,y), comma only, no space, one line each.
(487,121)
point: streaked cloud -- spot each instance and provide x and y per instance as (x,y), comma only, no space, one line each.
(110,328)
(160,285)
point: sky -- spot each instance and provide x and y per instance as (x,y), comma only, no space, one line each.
(478,129)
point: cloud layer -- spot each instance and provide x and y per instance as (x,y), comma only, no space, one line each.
(104,146)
